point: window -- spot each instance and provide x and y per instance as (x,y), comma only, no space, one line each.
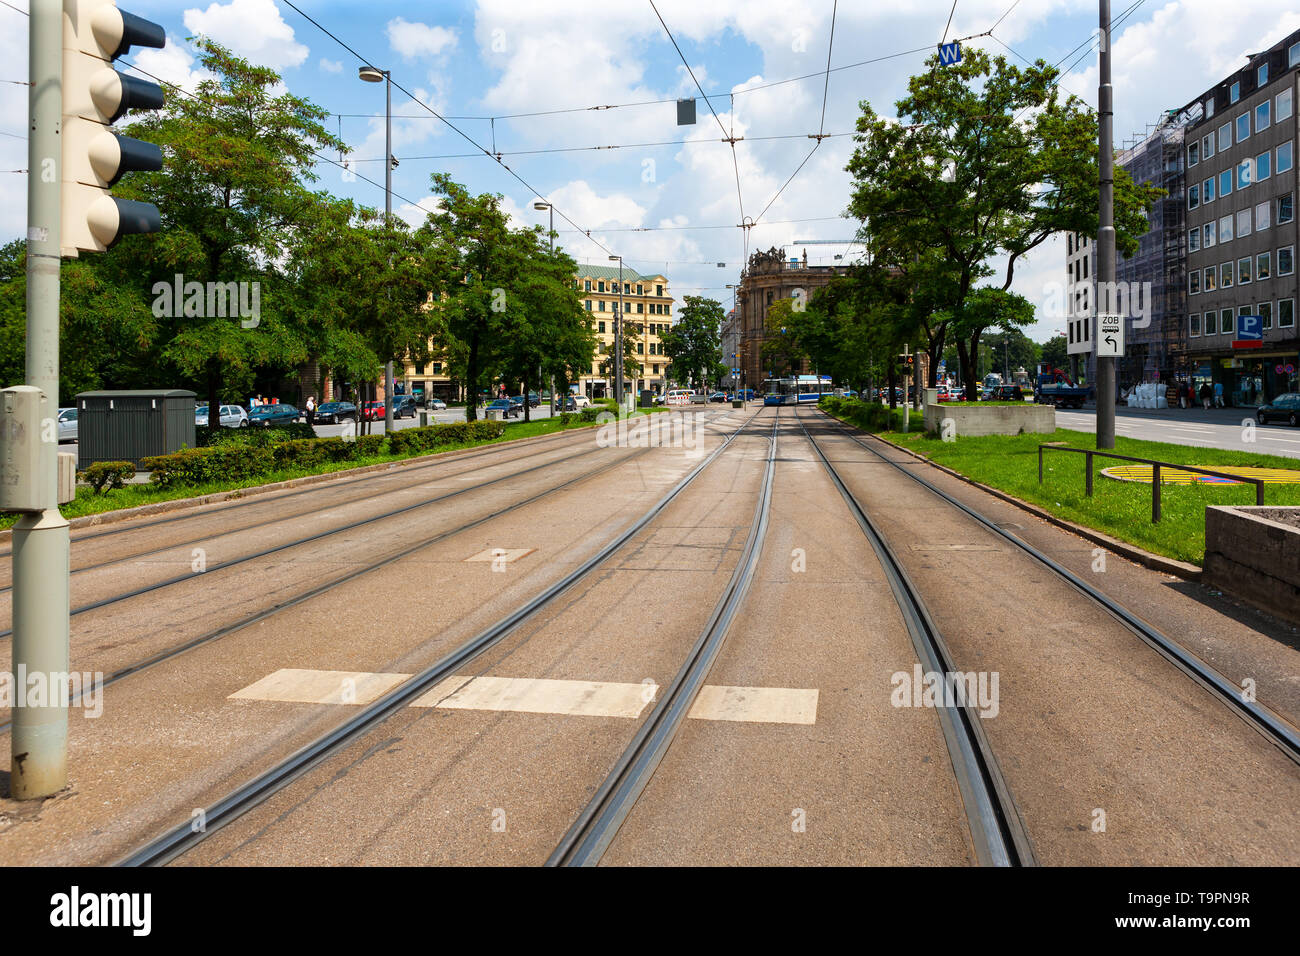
(1208,237)
(1285,208)
(1069,244)
(1193,239)
(600,306)
(1226,324)
(640,348)
(1211,323)
(1194,324)
(1207,190)
(1211,279)
(588,289)
(1243,127)
(1194,282)
(587,303)
(1243,223)
(1209,107)
(1193,154)
(1262,263)
(1193,197)
(1207,146)
(638,289)
(1284,156)
(1261,216)
(1243,271)
(1293,55)
(627,288)
(1225,275)
(1234,92)
(1263,166)
(601,328)
(1261,75)
(640,307)
(1265,311)
(1245,173)
(437,368)
(1225,183)
(1262,114)
(659,290)
(656,371)
(1225,229)
(1286,261)
(601,285)
(1285,313)
(1225,137)
(1282,105)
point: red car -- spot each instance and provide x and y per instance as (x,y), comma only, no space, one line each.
(373,411)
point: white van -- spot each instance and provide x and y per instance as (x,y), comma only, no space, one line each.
(678,396)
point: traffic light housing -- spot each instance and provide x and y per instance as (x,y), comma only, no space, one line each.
(95,33)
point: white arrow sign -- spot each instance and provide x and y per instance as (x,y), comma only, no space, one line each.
(1110,335)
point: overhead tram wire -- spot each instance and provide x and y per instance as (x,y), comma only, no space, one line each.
(460,132)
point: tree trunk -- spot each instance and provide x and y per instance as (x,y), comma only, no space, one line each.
(471,373)
(214,399)
(892,379)
(523,387)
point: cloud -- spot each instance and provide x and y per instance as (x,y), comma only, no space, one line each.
(331,66)
(254,29)
(414,40)
(172,64)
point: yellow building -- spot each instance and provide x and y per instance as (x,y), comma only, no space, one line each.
(648,310)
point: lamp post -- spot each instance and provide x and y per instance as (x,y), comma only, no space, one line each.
(369,74)
(618,337)
(539,206)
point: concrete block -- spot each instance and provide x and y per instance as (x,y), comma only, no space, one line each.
(1254,553)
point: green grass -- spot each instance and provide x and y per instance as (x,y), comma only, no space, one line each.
(131,496)
(1118,508)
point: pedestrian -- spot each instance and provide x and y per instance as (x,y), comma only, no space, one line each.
(1206,395)
(1218,394)
(311,409)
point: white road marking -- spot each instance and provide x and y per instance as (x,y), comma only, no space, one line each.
(765,705)
(540,696)
(501,554)
(320,687)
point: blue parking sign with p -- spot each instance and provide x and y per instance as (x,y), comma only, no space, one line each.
(949,53)
(1250,326)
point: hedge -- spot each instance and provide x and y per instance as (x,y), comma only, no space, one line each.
(263,437)
(107,475)
(454,433)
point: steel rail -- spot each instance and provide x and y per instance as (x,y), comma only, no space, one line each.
(1271,726)
(344,481)
(320,589)
(366,494)
(235,562)
(598,823)
(185,836)
(996,829)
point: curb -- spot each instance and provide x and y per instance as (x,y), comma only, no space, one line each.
(1156,562)
(176,504)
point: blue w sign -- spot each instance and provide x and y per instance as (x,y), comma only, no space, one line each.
(950,53)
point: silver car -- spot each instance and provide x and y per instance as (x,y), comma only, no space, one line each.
(67,424)
(232,416)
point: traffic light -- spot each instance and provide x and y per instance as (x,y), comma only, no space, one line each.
(95,33)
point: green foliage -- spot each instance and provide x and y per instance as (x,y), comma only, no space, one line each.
(105,476)
(429,438)
(255,436)
(869,416)
(589,414)
(694,342)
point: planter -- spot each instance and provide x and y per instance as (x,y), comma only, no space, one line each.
(737,403)
(974,420)
(1254,554)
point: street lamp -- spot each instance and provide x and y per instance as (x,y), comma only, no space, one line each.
(370,74)
(618,337)
(539,206)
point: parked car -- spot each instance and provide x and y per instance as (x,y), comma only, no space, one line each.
(507,408)
(517,401)
(67,424)
(566,404)
(274,415)
(437,403)
(404,406)
(331,413)
(1007,393)
(534,400)
(1284,408)
(232,416)
(580,401)
(373,411)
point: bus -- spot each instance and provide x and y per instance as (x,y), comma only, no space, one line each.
(796,389)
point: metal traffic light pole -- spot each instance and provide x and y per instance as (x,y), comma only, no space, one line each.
(39,739)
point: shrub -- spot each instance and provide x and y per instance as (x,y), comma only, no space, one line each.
(261,437)
(566,419)
(107,475)
(368,446)
(303,453)
(589,414)
(184,467)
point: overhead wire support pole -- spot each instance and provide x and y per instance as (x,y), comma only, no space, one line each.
(1105,231)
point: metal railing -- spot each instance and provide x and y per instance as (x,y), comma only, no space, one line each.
(1089,453)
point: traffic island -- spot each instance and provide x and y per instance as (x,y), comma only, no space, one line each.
(973,420)
(1254,553)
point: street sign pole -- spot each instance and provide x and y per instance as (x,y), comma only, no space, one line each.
(1105,233)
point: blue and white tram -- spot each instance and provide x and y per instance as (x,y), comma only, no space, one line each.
(796,389)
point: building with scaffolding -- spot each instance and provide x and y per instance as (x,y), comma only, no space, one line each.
(1155,276)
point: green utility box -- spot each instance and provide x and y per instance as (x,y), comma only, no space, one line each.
(131,425)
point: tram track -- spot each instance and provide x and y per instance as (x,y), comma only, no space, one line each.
(1269,725)
(182,838)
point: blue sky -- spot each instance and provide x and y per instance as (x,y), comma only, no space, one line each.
(498,57)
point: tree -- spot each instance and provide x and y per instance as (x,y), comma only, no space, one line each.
(694,343)
(233,202)
(1055,354)
(781,353)
(961,173)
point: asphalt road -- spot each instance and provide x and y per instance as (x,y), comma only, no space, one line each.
(1232,429)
